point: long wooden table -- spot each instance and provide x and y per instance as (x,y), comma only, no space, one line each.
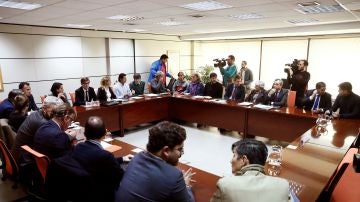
(311,164)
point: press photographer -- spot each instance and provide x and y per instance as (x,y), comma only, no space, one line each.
(298,78)
(229,71)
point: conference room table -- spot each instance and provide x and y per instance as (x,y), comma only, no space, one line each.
(309,161)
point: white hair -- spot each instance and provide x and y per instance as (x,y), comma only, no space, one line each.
(261,84)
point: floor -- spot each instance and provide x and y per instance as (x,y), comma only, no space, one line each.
(205,148)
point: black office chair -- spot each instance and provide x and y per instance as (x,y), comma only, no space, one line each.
(326,193)
(356,143)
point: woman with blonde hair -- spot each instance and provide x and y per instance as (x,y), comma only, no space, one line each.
(105,92)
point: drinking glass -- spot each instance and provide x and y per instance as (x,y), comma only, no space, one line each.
(274,160)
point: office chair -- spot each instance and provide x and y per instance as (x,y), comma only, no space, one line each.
(8,133)
(326,193)
(42,161)
(72,97)
(356,143)
(42,98)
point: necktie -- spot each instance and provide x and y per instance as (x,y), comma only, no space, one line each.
(87,96)
(316,103)
(163,69)
(233,93)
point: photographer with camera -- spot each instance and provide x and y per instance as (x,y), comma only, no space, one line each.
(228,72)
(298,78)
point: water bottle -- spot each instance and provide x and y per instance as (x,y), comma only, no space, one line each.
(274,160)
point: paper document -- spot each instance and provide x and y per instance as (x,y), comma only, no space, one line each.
(137,150)
(260,106)
(245,103)
(109,147)
(151,95)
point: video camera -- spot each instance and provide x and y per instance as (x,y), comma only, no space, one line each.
(219,62)
(293,66)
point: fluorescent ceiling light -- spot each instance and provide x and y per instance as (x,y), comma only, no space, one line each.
(77,25)
(206,6)
(125,18)
(320,9)
(247,16)
(303,21)
(19,5)
(139,30)
(171,23)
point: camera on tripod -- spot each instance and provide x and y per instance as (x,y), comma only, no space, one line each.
(219,62)
(293,66)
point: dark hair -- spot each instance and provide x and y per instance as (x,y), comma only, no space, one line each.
(21,102)
(137,76)
(255,151)
(213,74)
(94,128)
(237,76)
(121,76)
(84,80)
(22,84)
(13,93)
(165,134)
(163,56)
(320,85)
(56,86)
(181,73)
(346,86)
(231,57)
(63,110)
(306,63)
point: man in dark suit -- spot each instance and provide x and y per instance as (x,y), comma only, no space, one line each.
(235,91)
(25,87)
(50,139)
(213,88)
(277,96)
(152,175)
(85,93)
(7,105)
(89,172)
(317,100)
(347,103)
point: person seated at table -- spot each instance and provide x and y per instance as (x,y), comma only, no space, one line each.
(180,84)
(25,134)
(249,182)
(317,100)
(17,117)
(7,105)
(257,95)
(121,88)
(157,84)
(57,91)
(25,87)
(277,96)
(196,87)
(105,92)
(50,139)
(347,103)
(213,88)
(89,172)
(85,93)
(137,86)
(235,91)
(152,175)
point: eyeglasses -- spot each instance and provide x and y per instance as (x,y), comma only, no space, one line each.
(181,150)
(71,118)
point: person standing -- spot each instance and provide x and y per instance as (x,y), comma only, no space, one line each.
(246,76)
(229,71)
(299,81)
(159,65)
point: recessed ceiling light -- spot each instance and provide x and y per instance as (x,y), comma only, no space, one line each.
(197,16)
(125,18)
(77,25)
(171,23)
(247,16)
(320,9)
(19,5)
(303,21)
(206,6)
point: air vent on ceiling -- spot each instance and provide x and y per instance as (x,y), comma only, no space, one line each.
(125,18)
(303,21)
(320,9)
(304,4)
(206,6)
(129,23)
(197,16)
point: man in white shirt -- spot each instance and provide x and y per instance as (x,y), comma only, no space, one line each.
(122,89)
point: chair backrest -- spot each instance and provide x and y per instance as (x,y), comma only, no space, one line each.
(42,98)
(356,143)
(325,195)
(42,161)
(149,87)
(291,98)
(9,166)
(72,96)
(8,133)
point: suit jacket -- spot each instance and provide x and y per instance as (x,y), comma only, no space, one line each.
(280,100)
(214,90)
(51,141)
(6,107)
(149,178)
(325,101)
(239,92)
(95,172)
(260,99)
(252,186)
(80,97)
(101,94)
(32,104)
(349,106)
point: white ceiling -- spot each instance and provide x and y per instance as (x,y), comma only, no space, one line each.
(217,23)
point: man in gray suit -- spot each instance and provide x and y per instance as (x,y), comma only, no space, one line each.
(249,183)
